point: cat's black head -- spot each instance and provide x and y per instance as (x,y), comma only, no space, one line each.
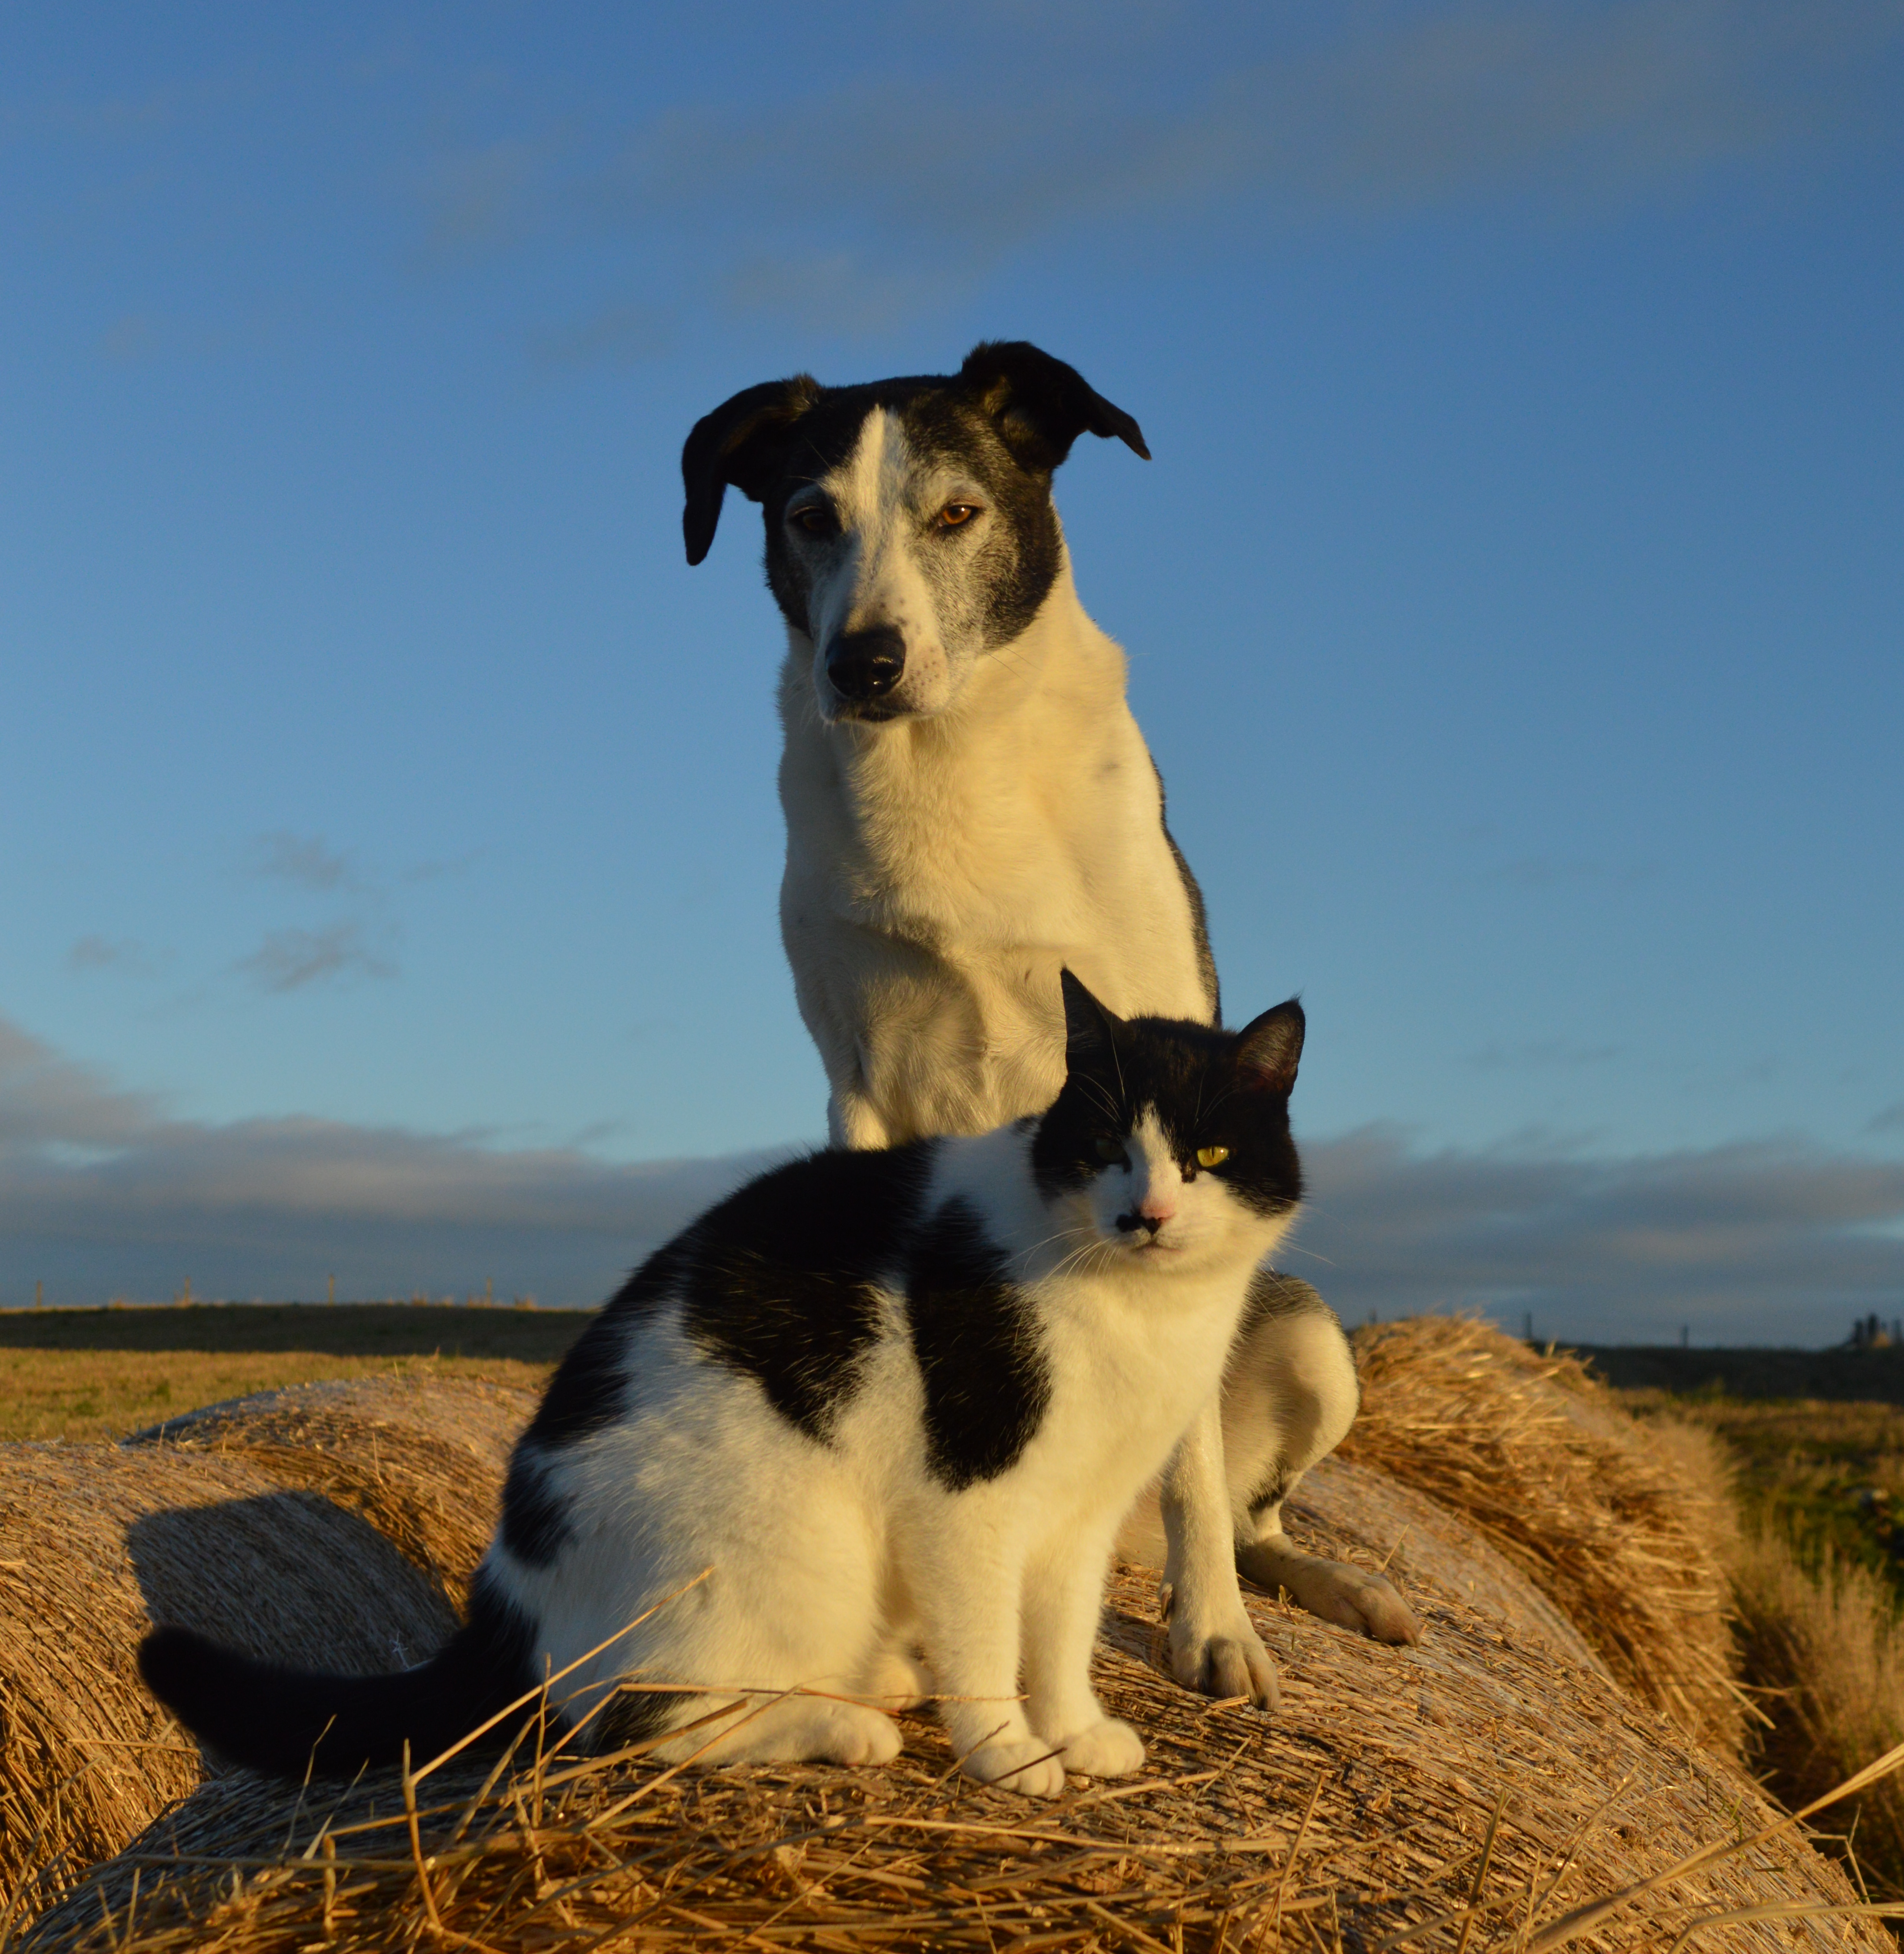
(1145,1096)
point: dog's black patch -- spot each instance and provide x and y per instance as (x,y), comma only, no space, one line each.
(987,1381)
(1009,416)
(1206,961)
(1273,1294)
(1270,1491)
(780,1277)
(1208,1089)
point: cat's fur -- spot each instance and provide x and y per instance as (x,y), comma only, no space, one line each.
(890,1405)
(970,806)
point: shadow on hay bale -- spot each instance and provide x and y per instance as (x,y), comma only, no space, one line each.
(421,1460)
(1472,1791)
(333,1525)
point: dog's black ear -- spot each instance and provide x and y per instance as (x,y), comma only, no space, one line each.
(742,442)
(1041,405)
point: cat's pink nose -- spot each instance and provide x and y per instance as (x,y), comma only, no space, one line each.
(1149,1214)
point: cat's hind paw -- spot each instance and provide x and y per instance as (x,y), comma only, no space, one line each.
(1027,1764)
(1106,1748)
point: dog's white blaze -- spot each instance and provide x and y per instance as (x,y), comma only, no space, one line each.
(876,578)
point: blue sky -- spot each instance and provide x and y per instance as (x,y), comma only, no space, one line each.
(1514,606)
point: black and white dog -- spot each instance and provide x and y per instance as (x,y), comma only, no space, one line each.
(970,809)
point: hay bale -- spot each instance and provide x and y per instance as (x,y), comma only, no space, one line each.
(421,1458)
(99,1542)
(1354,1513)
(331,1526)
(1396,1789)
(1541,1463)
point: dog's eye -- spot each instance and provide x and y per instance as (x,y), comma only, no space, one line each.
(1112,1152)
(816,519)
(1211,1156)
(953,514)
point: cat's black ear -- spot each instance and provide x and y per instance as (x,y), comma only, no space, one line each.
(1041,405)
(742,442)
(1088,1028)
(1269,1048)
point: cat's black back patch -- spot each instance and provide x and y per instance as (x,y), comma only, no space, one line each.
(587,1394)
(535,1515)
(974,1335)
(780,1278)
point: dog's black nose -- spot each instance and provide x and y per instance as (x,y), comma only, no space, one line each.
(865,665)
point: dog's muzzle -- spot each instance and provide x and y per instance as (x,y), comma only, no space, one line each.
(863,666)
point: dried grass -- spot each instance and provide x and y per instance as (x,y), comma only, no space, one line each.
(1824,1643)
(421,1460)
(1618,1534)
(248,1521)
(1473,1792)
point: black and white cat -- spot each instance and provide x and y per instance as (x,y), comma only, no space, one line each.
(898,1403)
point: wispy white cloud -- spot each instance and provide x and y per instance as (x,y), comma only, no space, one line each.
(892,193)
(617,335)
(292,960)
(306,861)
(102,1193)
(1773,1240)
(121,954)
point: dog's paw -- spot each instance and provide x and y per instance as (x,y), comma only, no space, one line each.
(1228,1662)
(1351,1598)
(1027,1764)
(1106,1748)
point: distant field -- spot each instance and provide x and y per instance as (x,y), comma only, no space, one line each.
(1868,1376)
(1818,1437)
(100,1373)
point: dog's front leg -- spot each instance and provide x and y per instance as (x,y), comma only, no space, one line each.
(852,1121)
(1213,1645)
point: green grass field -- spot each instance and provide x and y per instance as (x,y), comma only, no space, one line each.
(101,1373)
(1816,1437)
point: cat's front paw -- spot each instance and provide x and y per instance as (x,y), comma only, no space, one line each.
(1018,1764)
(1107,1748)
(1228,1662)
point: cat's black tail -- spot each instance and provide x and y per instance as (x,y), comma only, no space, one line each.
(288,1721)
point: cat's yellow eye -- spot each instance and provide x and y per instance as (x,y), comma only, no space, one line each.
(1211,1156)
(1111,1150)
